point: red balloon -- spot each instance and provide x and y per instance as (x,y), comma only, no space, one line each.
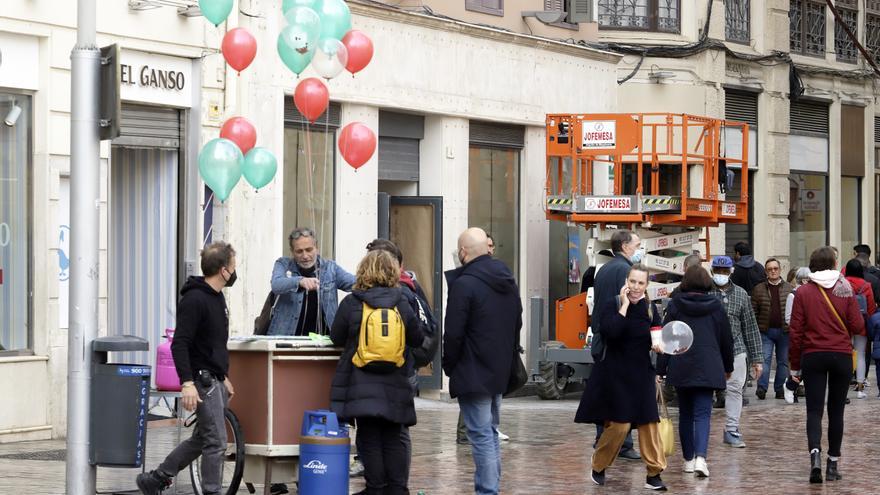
(240,131)
(311,98)
(360,50)
(357,144)
(239,48)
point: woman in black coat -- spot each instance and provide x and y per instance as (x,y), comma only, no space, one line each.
(703,369)
(381,404)
(621,392)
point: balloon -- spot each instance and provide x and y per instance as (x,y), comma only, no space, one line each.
(305,20)
(289,4)
(296,48)
(240,131)
(335,18)
(330,58)
(676,337)
(360,50)
(220,166)
(357,144)
(239,48)
(311,98)
(259,167)
(215,11)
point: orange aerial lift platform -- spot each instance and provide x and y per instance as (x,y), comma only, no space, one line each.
(665,176)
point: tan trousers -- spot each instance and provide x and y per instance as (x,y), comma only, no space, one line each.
(650,446)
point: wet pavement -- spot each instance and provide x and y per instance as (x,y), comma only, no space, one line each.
(548,454)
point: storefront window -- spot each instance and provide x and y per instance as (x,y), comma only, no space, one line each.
(807,216)
(850,202)
(309,160)
(493,199)
(15,158)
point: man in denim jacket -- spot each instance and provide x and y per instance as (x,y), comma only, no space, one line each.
(306,286)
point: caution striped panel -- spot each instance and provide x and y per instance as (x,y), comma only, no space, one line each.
(662,201)
(560,201)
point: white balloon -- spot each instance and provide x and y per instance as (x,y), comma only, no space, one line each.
(676,337)
(330,58)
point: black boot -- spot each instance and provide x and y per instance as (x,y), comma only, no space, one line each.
(815,467)
(831,472)
(152,483)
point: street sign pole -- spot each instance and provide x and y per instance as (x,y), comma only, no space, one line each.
(84,195)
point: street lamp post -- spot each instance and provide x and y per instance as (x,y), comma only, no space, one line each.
(84,195)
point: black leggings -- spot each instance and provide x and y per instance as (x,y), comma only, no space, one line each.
(834,370)
(382,447)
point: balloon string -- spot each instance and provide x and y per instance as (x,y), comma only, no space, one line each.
(328,139)
(310,172)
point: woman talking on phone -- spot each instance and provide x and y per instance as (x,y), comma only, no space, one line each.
(621,392)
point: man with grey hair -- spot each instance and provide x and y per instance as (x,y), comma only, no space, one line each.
(306,285)
(483,321)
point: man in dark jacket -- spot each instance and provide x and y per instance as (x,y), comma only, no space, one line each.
(202,363)
(610,278)
(768,302)
(483,320)
(747,273)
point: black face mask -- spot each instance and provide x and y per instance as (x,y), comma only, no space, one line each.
(231,280)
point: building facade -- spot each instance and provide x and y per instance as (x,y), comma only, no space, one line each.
(789,70)
(457,104)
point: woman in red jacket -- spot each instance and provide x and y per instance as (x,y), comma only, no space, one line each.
(824,318)
(855,275)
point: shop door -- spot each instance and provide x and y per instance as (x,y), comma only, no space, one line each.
(415,224)
(142,280)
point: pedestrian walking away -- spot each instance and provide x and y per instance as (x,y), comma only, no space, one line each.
(627,249)
(202,362)
(864,295)
(747,353)
(747,272)
(700,371)
(371,385)
(483,321)
(824,318)
(621,392)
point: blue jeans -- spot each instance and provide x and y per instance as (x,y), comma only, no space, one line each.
(694,413)
(481,414)
(774,337)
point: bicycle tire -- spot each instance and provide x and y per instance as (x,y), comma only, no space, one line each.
(231,486)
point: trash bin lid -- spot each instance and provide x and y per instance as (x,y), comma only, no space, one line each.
(120,343)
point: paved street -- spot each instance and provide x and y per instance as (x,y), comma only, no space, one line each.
(548,454)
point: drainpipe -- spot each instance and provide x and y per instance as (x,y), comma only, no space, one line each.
(84,195)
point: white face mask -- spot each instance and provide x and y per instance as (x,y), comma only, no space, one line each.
(720,280)
(637,256)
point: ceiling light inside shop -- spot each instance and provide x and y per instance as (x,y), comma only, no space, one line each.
(13,115)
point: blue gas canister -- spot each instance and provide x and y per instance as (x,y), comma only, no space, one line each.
(323,455)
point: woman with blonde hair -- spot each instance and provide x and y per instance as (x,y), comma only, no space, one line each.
(371,387)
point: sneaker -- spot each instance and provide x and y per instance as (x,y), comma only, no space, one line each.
(789,395)
(734,439)
(629,454)
(598,477)
(655,483)
(701,469)
(761,393)
(861,394)
(152,483)
(356,468)
(503,437)
(780,394)
(688,466)
(278,489)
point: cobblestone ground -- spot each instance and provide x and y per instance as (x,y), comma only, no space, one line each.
(548,454)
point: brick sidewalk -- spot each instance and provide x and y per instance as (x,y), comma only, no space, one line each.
(547,454)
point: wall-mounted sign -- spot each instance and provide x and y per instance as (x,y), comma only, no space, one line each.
(152,78)
(20,68)
(599,134)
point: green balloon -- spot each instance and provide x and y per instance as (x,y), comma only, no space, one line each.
(296,48)
(335,18)
(259,167)
(306,21)
(220,166)
(215,11)
(289,4)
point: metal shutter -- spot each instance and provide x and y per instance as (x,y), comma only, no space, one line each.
(399,137)
(876,130)
(143,126)
(331,118)
(496,135)
(809,117)
(741,106)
